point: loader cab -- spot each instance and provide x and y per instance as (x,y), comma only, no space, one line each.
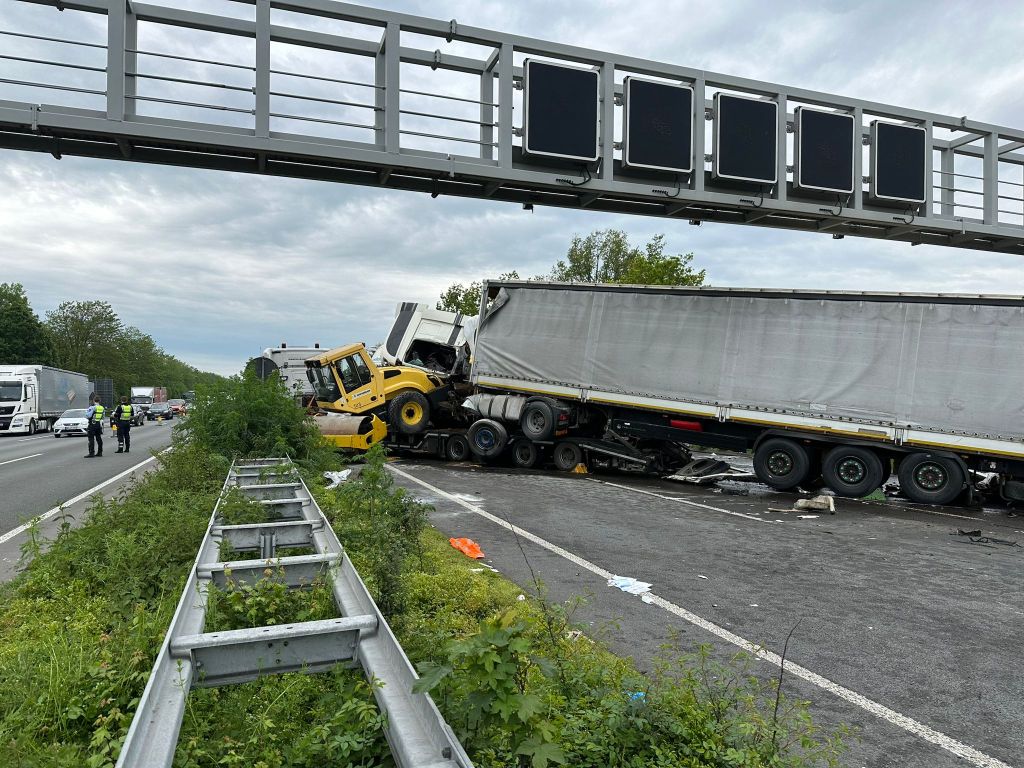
(346,379)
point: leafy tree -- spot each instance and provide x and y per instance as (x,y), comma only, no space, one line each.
(603,256)
(606,256)
(85,336)
(466,298)
(23,338)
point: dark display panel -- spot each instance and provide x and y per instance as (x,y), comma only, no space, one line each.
(745,139)
(657,132)
(824,150)
(897,162)
(561,111)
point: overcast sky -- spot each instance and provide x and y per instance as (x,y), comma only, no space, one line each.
(217,266)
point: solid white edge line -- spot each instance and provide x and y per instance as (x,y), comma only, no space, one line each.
(21,459)
(84,495)
(922,731)
(683,501)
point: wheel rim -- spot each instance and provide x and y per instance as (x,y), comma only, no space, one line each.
(535,421)
(484,439)
(412,413)
(458,449)
(524,454)
(851,470)
(930,476)
(780,463)
(567,455)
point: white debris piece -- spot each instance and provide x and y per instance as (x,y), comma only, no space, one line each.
(629,584)
(337,478)
(808,517)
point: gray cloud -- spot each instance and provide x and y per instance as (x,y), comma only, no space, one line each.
(217,266)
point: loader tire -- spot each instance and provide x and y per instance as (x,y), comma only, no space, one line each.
(409,413)
(567,456)
(525,454)
(487,438)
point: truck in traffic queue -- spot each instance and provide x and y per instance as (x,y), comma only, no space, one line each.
(823,388)
(33,397)
(143,397)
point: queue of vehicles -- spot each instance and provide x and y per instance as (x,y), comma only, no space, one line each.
(835,389)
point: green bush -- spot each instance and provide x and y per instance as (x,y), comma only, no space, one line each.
(247,417)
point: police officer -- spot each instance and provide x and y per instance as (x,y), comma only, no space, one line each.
(124,413)
(94,415)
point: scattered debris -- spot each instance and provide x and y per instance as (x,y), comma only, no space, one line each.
(701,576)
(629,584)
(709,470)
(467,547)
(808,517)
(521,598)
(337,478)
(647,597)
(580,469)
(817,504)
(976,538)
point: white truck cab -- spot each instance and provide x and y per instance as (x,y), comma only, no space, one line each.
(33,397)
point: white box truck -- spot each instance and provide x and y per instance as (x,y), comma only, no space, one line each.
(143,397)
(821,386)
(32,397)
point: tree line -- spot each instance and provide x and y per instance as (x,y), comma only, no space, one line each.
(603,256)
(88,337)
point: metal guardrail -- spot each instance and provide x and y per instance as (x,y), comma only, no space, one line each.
(416,732)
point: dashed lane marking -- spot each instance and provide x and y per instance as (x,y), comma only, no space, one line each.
(922,731)
(11,461)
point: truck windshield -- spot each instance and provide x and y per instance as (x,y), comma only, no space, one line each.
(323,384)
(10,390)
(142,400)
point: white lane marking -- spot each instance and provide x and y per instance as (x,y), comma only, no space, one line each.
(85,494)
(21,459)
(683,501)
(922,731)
(26,439)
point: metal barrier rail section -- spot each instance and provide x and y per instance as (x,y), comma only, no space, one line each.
(189,657)
(319,89)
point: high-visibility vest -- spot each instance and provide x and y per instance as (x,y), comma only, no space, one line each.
(97,415)
(126,412)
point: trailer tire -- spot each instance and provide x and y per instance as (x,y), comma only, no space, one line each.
(525,454)
(852,471)
(782,464)
(487,438)
(457,448)
(409,412)
(538,420)
(930,479)
(567,456)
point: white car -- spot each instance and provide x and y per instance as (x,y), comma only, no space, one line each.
(71,422)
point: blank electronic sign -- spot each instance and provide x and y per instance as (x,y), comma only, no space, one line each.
(897,162)
(824,144)
(560,103)
(745,143)
(657,132)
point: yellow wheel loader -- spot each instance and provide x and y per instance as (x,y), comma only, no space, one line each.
(346,381)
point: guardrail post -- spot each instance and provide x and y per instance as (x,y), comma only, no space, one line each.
(990,182)
(117,11)
(262,123)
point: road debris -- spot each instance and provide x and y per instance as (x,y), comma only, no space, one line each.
(701,576)
(817,504)
(337,478)
(976,538)
(467,547)
(629,585)
(709,470)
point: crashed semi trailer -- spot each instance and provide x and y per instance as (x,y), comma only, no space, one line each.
(818,384)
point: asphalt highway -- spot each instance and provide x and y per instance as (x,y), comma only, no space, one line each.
(40,472)
(906,630)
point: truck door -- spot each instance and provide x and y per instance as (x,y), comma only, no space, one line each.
(361,381)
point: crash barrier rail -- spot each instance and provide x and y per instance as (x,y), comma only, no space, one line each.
(326,90)
(415,730)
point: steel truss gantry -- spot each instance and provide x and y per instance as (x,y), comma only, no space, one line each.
(971,200)
(415,730)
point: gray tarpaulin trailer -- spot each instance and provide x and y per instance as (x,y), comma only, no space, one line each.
(817,383)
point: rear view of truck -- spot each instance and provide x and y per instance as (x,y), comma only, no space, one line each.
(823,387)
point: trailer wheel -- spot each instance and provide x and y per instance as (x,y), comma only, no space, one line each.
(538,420)
(410,413)
(930,479)
(852,471)
(567,456)
(525,454)
(782,464)
(487,438)
(457,448)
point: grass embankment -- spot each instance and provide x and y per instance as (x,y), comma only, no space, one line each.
(80,628)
